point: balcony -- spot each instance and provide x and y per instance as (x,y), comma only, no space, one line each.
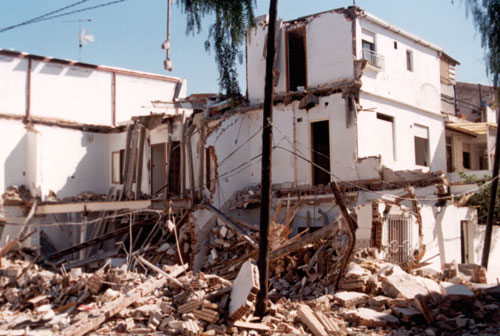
(374,59)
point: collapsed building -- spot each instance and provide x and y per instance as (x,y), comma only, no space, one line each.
(114,163)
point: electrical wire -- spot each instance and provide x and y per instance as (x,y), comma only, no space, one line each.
(42,17)
(45,17)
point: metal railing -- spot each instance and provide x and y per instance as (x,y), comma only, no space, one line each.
(373,58)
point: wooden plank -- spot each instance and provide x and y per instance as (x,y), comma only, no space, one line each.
(110,309)
(49,209)
(307,317)
(126,158)
(299,243)
(252,326)
(158,270)
(132,163)
(140,163)
(351,224)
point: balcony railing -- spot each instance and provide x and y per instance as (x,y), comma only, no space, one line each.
(373,58)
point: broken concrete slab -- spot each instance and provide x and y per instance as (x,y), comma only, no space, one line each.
(453,289)
(244,291)
(351,299)
(372,318)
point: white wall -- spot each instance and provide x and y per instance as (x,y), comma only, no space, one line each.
(420,88)
(13,85)
(404,119)
(78,163)
(71,93)
(79,94)
(134,93)
(493,260)
(13,156)
(231,142)
(329,53)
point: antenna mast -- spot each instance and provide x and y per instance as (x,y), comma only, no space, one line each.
(81,37)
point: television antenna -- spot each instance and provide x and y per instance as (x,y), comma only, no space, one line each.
(84,37)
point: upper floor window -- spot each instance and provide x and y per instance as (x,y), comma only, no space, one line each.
(421,145)
(370,49)
(296,61)
(409,60)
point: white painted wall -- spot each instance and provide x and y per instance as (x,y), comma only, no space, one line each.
(493,260)
(329,53)
(404,118)
(79,94)
(420,88)
(135,94)
(77,164)
(13,86)
(231,142)
(13,156)
(71,93)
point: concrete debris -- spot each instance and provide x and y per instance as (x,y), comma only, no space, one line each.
(172,300)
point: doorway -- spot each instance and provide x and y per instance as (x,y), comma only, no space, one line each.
(320,138)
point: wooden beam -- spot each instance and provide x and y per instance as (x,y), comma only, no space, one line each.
(303,241)
(351,224)
(91,322)
(140,163)
(49,209)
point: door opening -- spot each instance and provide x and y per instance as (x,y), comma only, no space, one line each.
(320,136)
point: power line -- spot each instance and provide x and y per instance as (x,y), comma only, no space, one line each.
(41,17)
(47,17)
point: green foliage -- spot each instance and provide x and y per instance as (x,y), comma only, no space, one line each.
(486,16)
(226,35)
(481,199)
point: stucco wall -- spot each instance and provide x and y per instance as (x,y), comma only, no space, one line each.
(420,88)
(12,154)
(13,86)
(329,53)
(404,119)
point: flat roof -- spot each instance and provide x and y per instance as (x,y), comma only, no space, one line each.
(19,54)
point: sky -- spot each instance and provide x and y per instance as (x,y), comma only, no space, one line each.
(129,34)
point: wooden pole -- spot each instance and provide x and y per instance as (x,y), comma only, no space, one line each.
(267,134)
(493,194)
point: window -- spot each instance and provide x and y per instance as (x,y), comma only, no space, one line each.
(368,46)
(399,238)
(117,166)
(449,155)
(297,65)
(421,145)
(320,136)
(444,71)
(385,139)
(395,45)
(466,157)
(409,60)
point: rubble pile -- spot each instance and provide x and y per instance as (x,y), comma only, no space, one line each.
(16,195)
(374,298)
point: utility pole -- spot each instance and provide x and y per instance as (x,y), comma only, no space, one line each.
(267,135)
(493,195)
(167,64)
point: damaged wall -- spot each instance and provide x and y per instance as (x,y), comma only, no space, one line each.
(328,47)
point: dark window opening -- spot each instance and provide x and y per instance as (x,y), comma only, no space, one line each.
(385,117)
(320,133)
(297,73)
(421,151)
(466,160)
(395,45)
(174,186)
(409,60)
(158,168)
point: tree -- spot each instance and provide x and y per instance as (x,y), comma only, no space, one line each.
(486,16)
(226,35)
